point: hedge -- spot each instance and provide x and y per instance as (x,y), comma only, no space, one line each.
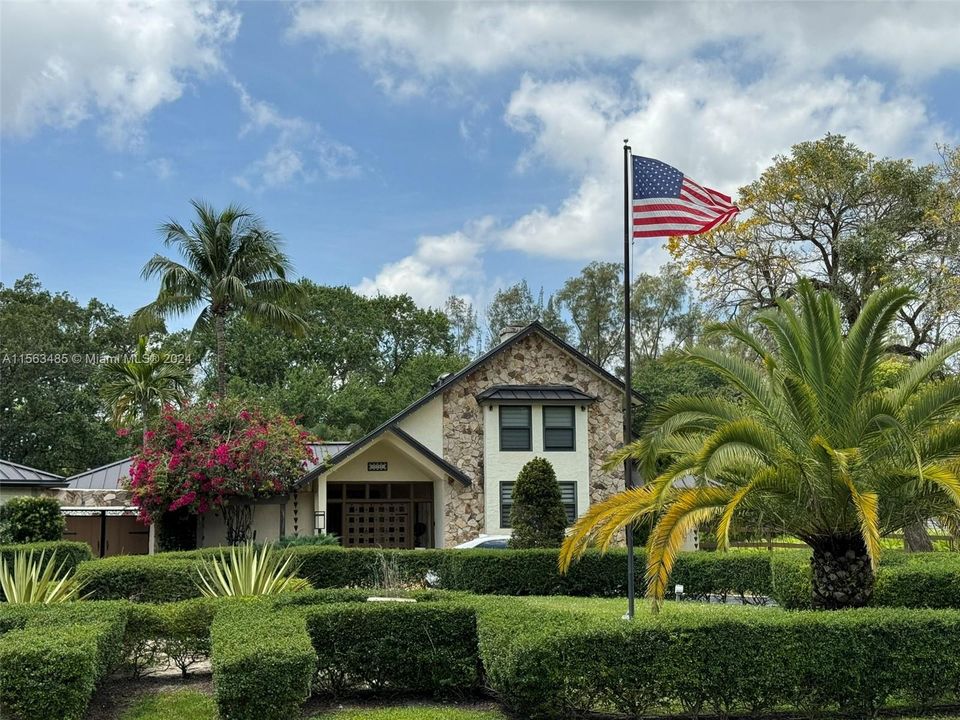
(263,662)
(910,580)
(422,647)
(140,578)
(169,577)
(50,664)
(68,552)
(550,663)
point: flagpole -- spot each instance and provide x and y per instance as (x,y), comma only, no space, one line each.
(627,377)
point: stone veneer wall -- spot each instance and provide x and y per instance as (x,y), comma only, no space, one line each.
(532,360)
(91,498)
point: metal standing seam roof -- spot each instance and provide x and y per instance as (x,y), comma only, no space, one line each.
(534,393)
(12,473)
(108,477)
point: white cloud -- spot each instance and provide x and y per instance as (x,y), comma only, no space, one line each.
(112,62)
(436,39)
(440,266)
(697,117)
(300,151)
(161,167)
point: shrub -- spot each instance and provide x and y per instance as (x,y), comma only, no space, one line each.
(263,662)
(31,580)
(31,519)
(911,580)
(177,633)
(553,663)
(50,666)
(321,540)
(249,571)
(537,517)
(141,578)
(423,647)
(70,554)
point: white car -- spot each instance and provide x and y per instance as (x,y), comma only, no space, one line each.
(485,542)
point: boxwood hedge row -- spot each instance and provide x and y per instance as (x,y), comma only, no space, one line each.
(51,658)
(547,663)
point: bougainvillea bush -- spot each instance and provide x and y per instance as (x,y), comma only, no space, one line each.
(206,457)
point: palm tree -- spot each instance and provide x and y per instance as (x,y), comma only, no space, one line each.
(815,448)
(137,388)
(232,264)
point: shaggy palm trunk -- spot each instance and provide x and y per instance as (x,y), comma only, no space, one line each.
(842,573)
(916,539)
(219,324)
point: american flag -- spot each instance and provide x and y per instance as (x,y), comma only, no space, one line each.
(667,202)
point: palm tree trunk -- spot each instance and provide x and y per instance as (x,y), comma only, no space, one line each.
(842,574)
(219,324)
(144,407)
(916,539)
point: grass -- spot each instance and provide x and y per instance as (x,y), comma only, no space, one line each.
(175,705)
(416,712)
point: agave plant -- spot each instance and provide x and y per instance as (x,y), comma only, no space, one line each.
(37,580)
(818,447)
(249,570)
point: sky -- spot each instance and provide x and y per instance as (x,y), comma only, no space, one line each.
(427,148)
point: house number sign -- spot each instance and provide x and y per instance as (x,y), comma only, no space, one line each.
(380,466)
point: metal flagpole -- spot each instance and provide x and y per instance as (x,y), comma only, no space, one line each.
(627,377)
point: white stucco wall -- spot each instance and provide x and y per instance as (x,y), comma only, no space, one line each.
(266,522)
(499,466)
(425,424)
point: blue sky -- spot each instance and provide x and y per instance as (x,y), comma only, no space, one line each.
(427,148)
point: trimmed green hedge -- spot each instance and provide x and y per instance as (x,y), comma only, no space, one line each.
(544,662)
(51,664)
(263,662)
(140,578)
(422,647)
(910,580)
(72,553)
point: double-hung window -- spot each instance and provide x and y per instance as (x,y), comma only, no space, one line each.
(515,427)
(568,494)
(559,427)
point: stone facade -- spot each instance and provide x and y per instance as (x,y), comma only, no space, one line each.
(531,360)
(91,498)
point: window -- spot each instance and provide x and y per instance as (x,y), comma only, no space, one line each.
(568,494)
(515,427)
(559,427)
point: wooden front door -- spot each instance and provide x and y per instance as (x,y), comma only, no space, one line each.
(371,523)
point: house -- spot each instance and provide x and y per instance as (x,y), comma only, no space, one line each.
(441,471)
(18,480)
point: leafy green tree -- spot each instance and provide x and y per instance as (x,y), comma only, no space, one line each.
(664,313)
(537,517)
(138,387)
(464,326)
(51,416)
(516,305)
(232,265)
(850,223)
(816,445)
(31,519)
(594,301)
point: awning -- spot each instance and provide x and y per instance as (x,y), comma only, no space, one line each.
(539,394)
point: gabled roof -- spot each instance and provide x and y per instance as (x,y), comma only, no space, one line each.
(534,393)
(12,473)
(534,327)
(447,467)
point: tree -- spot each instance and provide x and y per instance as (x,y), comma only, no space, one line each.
(137,388)
(816,445)
(537,517)
(31,519)
(464,326)
(51,348)
(849,222)
(516,305)
(594,301)
(664,312)
(233,265)
(217,456)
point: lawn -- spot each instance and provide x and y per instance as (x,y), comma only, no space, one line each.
(193,705)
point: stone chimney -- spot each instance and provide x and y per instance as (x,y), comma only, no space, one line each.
(509,331)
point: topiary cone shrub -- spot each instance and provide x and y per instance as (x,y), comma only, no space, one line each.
(538,518)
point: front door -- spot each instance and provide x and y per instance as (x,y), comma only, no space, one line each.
(372,523)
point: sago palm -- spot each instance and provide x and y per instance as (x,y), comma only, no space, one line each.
(816,448)
(231,264)
(139,387)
